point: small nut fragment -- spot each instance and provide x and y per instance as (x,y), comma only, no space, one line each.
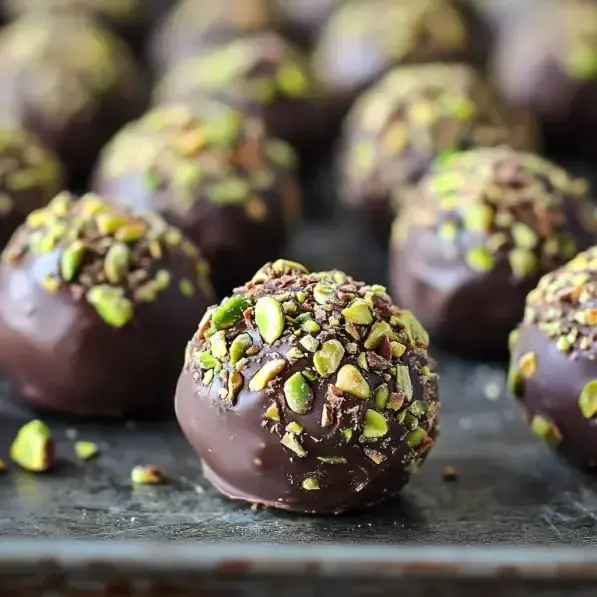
(404,384)
(523,263)
(479,259)
(378,330)
(239,347)
(71,260)
(111,304)
(235,385)
(33,449)
(351,381)
(147,474)
(587,401)
(269,318)
(217,344)
(323,293)
(309,343)
(272,412)
(310,484)
(270,370)
(546,430)
(375,426)
(298,394)
(229,312)
(86,450)
(415,438)
(327,359)
(382,394)
(206,361)
(116,263)
(290,441)
(358,312)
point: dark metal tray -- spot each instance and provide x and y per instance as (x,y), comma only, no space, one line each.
(511,491)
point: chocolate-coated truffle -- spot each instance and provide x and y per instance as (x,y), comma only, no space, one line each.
(553,369)
(548,62)
(261,75)
(194,25)
(30,176)
(363,40)
(309,392)
(412,115)
(96,306)
(484,226)
(230,189)
(69,81)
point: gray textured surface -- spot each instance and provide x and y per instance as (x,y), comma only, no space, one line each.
(511,489)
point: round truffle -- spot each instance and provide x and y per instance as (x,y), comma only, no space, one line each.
(553,369)
(484,226)
(96,306)
(261,75)
(195,25)
(30,176)
(412,115)
(547,62)
(309,392)
(226,185)
(70,82)
(363,40)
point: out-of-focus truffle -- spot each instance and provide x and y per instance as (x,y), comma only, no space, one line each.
(547,62)
(30,176)
(96,306)
(261,75)
(309,392)
(414,114)
(225,184)
(68,81)
(195,25)
(553,369)
(484,227)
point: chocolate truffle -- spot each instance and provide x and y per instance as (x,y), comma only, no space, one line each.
(261,75)
(309,392)
(96,306)
(29,177)
(412,115)
(230,188)
(553,369)
(484,226)
(363,40)
(69,81)
(548,62)
(195,25)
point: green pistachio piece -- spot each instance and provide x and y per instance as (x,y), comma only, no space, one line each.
(527,364)
(235,385)
(351,381)
(397,349)
(310,484)
(358,312)
(273,412)
(309,343)
(375,426)
(310,375)
(33,447)
(479,259)
(71,260)
(417,408)
(396,401)
(116,262)
(239,347)
(524,236)
(298,394)
(332,459)
(523,263)
(217,344)
(362,361)
(111,305)
(478,217)
(404,384)
(269,318)
(208,377)
(587,401)
(86,450)
(327,359)
(205,360)
(295,354)
(294,427)
(378,330)
(229,312)
(382,394)
(448,231)
(268,372)
(515,381)
(373,455)
(415,438)
(347,433)
(513,339)
(292,80)
(545,429)
(417,332)
(290,441)
(323,293)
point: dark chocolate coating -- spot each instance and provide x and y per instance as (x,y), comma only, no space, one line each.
(147,168)
(363,40)
(553,359)
(466,276)
(61,355)
(243,446)
(30,176)
(547,62)
(262,75)
(193,26)
(69,82)
(415,113)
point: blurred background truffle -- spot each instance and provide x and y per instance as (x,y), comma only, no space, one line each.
(69,81)
(484,226)
(403,122)
(226,184)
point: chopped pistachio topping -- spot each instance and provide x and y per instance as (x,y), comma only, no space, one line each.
(86,450)
(546,430)
(587,401)
(298,393)
(147,474)
(269,318)
(33,447)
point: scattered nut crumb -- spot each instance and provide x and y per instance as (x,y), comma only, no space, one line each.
(86,450)
(147,474)
(33,449)
(450,474)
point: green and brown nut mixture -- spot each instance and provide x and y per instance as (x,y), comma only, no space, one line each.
(107,256)
(324,350)
(263,69)
(423,110)
(225,160)
(497,203)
